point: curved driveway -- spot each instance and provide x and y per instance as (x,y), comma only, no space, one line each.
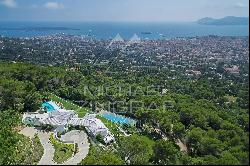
(76,136)
(81,138)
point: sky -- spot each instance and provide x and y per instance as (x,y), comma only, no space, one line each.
(120,10)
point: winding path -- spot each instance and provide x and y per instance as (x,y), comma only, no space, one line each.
(47,158)
(79,137)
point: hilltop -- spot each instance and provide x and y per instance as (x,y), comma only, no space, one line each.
(229,20)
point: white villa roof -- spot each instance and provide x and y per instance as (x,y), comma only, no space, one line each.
(108,138)
(78,122)
(35,115)
(58,118)
(62,118)
(93,125)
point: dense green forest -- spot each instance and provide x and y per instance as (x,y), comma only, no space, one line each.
(210,115)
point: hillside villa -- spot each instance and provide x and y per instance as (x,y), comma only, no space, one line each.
(60,119)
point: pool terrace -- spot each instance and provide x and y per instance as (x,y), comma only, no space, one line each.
(69,105)
(81,111)
(118,119)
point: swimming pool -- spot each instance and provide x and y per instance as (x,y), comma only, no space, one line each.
(118,118)
(50,106)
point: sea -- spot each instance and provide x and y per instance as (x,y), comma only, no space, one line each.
(108,30)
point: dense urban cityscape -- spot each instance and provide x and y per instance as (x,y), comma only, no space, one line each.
(186,53)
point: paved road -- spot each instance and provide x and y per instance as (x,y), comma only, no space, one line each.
(178,142)
(79,137)
(182,146)
(29,132)
(47,158)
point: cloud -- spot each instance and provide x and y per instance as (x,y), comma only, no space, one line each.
(53,5)
(230,7)
(9,3)
(240,5)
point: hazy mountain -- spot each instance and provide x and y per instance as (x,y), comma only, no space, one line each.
(229,20)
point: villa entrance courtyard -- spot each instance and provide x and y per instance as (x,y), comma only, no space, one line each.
(74,136)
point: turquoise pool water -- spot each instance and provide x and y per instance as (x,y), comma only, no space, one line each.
(118,118)
(50,106)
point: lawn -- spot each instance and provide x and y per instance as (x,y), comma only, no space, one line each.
(62,151)
(81,111)
(110,125)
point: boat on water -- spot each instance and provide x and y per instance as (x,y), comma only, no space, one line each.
(146,33)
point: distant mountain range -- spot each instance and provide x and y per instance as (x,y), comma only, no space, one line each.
(229,20)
